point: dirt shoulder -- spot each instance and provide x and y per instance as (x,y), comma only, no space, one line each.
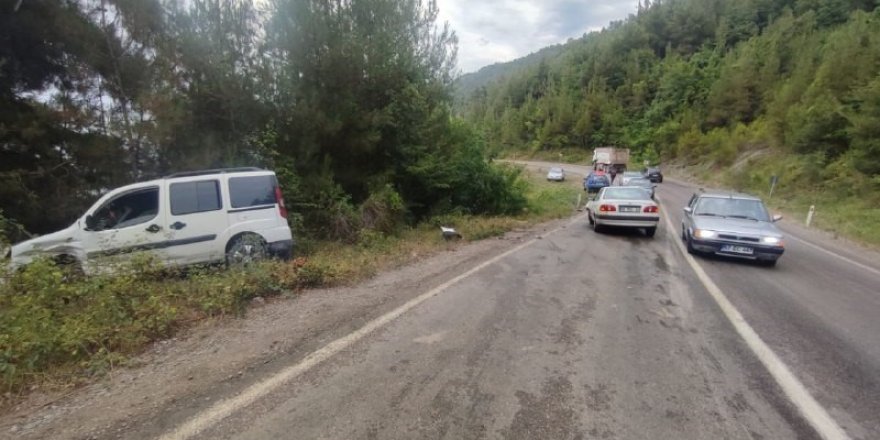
(219,357)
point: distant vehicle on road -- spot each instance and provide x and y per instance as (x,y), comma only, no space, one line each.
(556,174)
(653,174)
(624,206)
(234,215)
(610,159)
(643,183)
(626,176)
(596,181)
(734,225)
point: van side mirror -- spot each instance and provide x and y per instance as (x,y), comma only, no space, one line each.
(777,217)
(688,210)
(90,223)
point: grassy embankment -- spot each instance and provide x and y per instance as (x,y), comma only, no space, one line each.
(58,333)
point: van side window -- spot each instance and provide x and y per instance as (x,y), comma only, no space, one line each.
(192,197)
(130,209)
(245,192)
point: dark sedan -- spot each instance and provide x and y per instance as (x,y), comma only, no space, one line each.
(654,175)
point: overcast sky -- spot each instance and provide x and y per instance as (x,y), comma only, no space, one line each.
(491,31)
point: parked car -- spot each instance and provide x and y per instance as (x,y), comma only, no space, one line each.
(653,174)
(232,215)
(624,206)
(596,181)
(556,174)
(627,175)
(643,183)
(733,225)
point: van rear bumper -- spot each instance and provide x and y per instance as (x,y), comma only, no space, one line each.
(282,249)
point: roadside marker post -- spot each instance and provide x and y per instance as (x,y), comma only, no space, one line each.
(810,215)
(774,179)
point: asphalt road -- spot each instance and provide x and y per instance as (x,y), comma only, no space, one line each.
(579,335)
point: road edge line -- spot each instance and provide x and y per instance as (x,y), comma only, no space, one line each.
(226,407)
(813,412)
(833,254)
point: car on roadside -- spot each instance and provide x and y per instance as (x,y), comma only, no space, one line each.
(624,178)
(645,184)
(234,215)
(624,206)
(653,174)
(556,174)
(595,182)
(732,225)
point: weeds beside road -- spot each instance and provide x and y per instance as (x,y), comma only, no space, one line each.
(58,333)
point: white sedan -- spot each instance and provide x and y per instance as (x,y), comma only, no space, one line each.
(624,206)
(557,174)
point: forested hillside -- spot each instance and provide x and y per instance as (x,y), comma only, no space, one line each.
(466,84)
(348,101)
(748,87)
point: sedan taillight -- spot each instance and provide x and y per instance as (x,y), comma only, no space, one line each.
(651,209)
(607,208)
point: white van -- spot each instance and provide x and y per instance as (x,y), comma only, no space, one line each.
(234,215)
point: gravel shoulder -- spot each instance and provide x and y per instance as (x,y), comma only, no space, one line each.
(221,356)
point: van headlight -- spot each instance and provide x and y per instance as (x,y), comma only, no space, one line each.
(702,233)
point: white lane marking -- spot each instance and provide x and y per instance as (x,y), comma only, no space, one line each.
(796,392)
(834,254)
(228,406)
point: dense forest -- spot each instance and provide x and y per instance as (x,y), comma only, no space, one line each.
(789,87)
(349,101)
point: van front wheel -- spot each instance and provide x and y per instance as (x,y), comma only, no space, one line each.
(246,249)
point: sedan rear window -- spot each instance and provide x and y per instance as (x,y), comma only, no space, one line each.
(245,192)
(626,193)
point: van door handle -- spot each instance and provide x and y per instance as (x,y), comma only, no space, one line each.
(154,228)
(178,225)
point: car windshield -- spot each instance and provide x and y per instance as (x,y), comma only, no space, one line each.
(555,170)
(749,209)
(626,193)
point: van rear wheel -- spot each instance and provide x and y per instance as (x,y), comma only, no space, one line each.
(246,249)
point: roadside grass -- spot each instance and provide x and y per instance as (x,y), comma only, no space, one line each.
(57,332)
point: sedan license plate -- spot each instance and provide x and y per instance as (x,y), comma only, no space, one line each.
(745,250)
(629,209)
